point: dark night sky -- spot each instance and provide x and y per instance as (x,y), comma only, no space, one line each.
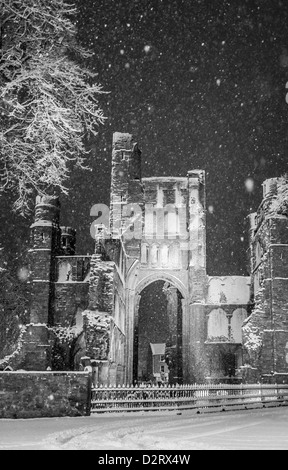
(200,84)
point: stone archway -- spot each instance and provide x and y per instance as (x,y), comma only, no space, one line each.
(135,285)
(158,322)
(161,276)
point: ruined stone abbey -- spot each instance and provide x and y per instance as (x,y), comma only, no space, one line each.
(97,310)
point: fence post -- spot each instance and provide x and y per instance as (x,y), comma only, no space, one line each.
(277,391)
(95,373)
(261,394)
(89,395)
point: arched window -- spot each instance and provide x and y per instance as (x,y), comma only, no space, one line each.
(64,271)
(164,255)
(149,220)
(238,317)
(171,229)
(144,253)
(174,255)
(218,326)
(154,253)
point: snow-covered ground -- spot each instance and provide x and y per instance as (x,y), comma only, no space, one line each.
(252,429)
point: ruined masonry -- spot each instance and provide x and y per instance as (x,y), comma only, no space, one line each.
(94,311)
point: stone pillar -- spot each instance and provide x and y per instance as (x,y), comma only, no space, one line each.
(100,372)
(198,359)
(103,372)
(95,373)
(197,367)
(175,337)
(197,224)
(135,354)
(172,309)
(252,218)
(186,328)
(131,311)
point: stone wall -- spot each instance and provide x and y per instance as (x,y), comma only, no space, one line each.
(33,349)
(101,285)
(228,289)
(44,394)
(98,316)
(68,298)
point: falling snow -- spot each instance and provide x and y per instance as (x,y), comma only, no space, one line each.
(200,85)
(249,184)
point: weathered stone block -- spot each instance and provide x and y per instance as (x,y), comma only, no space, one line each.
(281,351)
(68,298)
(44,394)
(279,255)
(279,230)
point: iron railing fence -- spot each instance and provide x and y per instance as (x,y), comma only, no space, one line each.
(199,397)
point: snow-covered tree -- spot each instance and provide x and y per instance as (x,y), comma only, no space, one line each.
(48,98)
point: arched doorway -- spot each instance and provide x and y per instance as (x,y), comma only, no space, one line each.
(157,348)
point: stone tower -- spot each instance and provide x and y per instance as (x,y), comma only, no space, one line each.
(126,206)
(45,242)
(158,244)
(196,359)
(161,224)
(45,238)
(266,330)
